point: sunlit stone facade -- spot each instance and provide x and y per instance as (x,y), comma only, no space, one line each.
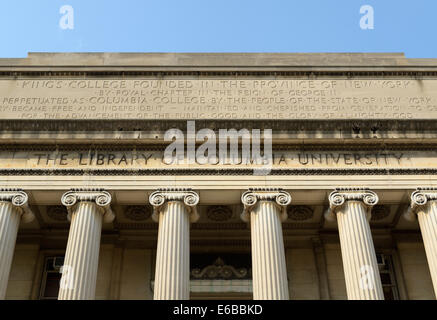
(90,209)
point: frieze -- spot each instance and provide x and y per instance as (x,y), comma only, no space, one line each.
(95,160)
(139,158)
(168,98)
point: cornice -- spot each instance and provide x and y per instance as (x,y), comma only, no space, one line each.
(210,60)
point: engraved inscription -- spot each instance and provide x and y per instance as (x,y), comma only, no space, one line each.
(218,99)
(137,159)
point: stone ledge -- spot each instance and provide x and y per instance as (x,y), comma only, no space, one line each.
(215,59)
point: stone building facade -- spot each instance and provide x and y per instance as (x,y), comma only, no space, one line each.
(90,209)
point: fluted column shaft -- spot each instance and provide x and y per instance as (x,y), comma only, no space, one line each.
(82,254)
(268,254)
(9,222)
(172,277)
(174,209)
(12,202)
(428,227)
(424,205)
(358,254)
(79,272)
(352,209)
(269,270)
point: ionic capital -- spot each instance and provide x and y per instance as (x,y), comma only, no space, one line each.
(419,201)
(187,196)
(251,197)
(340,196)
(100,197)
(19,199)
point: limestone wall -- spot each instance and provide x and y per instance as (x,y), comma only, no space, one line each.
(136,274)
(302,274)
(22,272)
(415,271)
(334,266)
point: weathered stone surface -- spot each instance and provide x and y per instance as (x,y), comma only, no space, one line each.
(201,86)
(227,98)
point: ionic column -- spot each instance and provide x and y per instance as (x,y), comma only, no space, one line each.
(266,209)
(87,210)
(352,209)
(424,206)
(174,209)
(13,209)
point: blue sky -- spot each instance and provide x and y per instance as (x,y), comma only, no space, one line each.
(218,26)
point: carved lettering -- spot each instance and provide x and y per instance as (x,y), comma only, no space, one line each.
(218,99)
(138,159)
